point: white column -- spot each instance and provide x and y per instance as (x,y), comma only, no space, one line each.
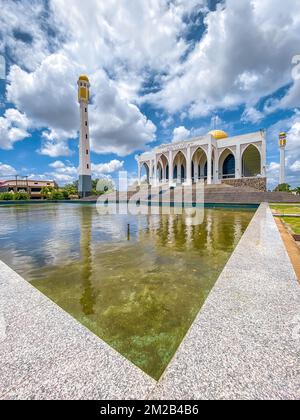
(155,171)
(282,165)
(216,167)
(196,171)
(139,173)
(171,172)
(150,172)
(164,173)
(188,180)
(238,162)
(264,156)
(209,159)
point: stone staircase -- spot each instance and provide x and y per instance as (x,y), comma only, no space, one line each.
(238,195)
(219,194)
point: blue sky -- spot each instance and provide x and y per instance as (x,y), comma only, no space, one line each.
(160,70)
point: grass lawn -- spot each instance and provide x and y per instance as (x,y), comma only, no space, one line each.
(286,208)
(293,223)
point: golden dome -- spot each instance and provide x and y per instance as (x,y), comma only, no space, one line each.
(84,77)
(218,134)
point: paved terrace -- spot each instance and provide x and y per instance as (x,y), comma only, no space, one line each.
(244,343)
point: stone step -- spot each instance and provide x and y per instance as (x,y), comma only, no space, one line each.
(211,195)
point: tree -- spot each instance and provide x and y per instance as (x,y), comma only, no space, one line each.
(50,193)
(283,188)
(46,192)
(102,186)
(71,189)
(57,195)
(297,190)
(21,196)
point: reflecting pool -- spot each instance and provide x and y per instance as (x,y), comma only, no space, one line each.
(137,282)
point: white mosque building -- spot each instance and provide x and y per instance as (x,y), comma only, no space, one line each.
(215,158)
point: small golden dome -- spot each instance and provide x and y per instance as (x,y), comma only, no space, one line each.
(218,134)
(84,77)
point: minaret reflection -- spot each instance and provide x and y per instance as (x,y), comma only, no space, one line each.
(88,299)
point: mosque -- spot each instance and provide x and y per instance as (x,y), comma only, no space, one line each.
(215,158)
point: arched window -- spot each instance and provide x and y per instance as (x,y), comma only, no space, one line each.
(251,162)
(145,173)
(179,165)
(229,167)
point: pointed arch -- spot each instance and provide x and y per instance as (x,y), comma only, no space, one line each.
(179,167)
(159,170)
(227,164)
(199,160)
(200,150)
(251,161)
(145,167)
(163,168)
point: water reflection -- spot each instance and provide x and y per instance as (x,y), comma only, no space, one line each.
(88,299)
(135,281)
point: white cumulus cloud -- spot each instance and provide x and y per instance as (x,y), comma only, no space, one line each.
(180,133)
(107,168)
(7,170)
(244,55)
(13,128)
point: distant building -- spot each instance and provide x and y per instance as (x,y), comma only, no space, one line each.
(215,158)
(33,188)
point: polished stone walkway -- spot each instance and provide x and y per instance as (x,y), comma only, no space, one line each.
(244,343)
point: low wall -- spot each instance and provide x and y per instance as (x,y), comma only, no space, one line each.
(259,184)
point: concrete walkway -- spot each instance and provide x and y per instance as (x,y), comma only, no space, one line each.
(244,343)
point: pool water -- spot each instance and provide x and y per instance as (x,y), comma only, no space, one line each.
(137,282)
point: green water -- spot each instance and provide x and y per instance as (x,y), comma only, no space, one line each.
(139,289)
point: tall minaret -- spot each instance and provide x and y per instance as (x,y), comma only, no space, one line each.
(282,145)
(84,172)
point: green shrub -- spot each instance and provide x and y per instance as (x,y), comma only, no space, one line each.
(65,193)
(21,195)
(11,196)
(7,196)
(57,195)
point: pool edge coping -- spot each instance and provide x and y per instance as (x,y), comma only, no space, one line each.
(151,387)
